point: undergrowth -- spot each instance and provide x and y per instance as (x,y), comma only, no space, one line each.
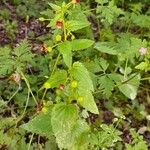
(87,84)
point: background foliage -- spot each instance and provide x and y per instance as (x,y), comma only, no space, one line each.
(74,74)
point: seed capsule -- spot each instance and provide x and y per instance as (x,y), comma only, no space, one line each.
(74,84)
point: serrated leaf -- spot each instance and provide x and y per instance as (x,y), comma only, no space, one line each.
(55,7)
(41,124)
(104,64)
(79,133)
(140,20)
(143,66)
(65,49)
(88,100)
(128,46)
(105,48)
(23,52)
(6,62)
(80,127)
(64,118)
(81,44)
(74,25)
(106,85)
(5,139)
(109,12)
(81,74)
(129,88)
(101,1)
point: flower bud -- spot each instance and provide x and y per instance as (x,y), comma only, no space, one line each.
(47,85)
(41,19)
(58,38)
(49,49)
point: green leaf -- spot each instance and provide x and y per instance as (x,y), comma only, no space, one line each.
(81,44)
(140,20)
(12,59)
(64,118)
(108,136)
(23,53)
(143,66)
(104,64)
(80,127)
(65,49)
(128,88)
(41,124)
(6,62)
(59,77)
(85,87)
(79,134)
(101,1)
(128,47)
(88,100)
(106,85)
(105,48)
(74,25)
(81,74)
(109,12)
(55,7)
(4,138)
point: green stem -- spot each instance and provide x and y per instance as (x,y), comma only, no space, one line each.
(28,85)
(125,70)
(124,82)
(24,108)
(143,79)
(117,85)
(59,54)
(56,62)
(14,94)
(89,10)
(65,32)
(30,141)
(44,94)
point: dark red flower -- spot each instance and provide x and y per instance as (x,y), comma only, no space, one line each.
(59,24)
(43,49)
(62,86)
(76,1)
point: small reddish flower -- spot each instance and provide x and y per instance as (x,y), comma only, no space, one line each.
(43,49)
(62,86)
(59,24)
(75,1)
(143,51)
(39,107)
(15,77)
